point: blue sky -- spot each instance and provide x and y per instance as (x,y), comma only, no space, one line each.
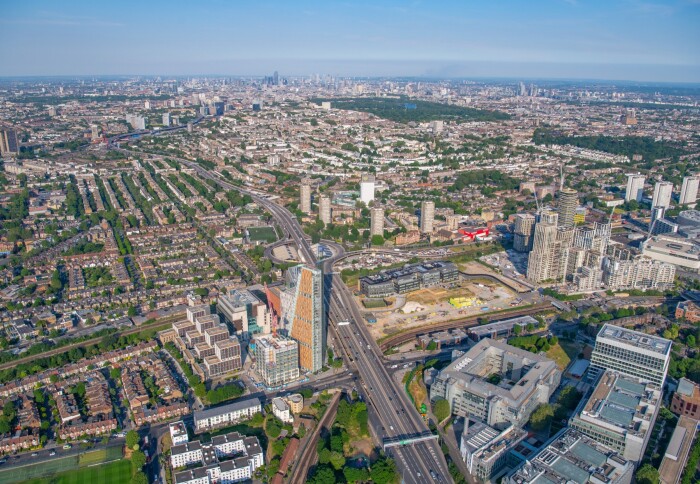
(644,40)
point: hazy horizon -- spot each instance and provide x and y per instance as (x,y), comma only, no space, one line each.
(628,40)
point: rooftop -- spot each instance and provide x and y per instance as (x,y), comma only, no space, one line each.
(573,458)
(635,338)
(622,403)
(488,357)
(231,407)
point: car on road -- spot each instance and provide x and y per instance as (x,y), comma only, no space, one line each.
(67,446)
(52,453)
(34,454)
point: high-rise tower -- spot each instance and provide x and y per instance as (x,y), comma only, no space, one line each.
(324,209)
(305,197)
(689,190)
(662,194)
(568,201)
(305,286)
(427,216)
(377,221)
(635,187)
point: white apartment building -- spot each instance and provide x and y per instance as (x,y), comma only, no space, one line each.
(635,187)
(232,413)
(662,194)
(689,190)
(281,410)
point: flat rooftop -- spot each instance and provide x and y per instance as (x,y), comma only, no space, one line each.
(474,367)
(677,451)
(621,401)
(231,407)
(635,338)
(572,458)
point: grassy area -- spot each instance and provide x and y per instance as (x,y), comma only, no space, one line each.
(559,355)
(266,234)
(417,390)
(571,348)
(414,386)
(101,455)
(53,467)
(117,472)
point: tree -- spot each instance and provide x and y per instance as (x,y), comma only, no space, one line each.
(647,474)
(541,417)
(441,409)
(377,240)
(690,341)
(132,312)
(383,471)
(517,329)
(323,475)
(355,475)
(132,438)
(569,397)
(324,457)
(337,460)
(139,478)
(138,460)
(273,428)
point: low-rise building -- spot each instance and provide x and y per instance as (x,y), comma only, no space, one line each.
(688,310)
(230,414)
(686,399)
(296,402)
(178,433)
(485,449)
(281,410)
(242,455)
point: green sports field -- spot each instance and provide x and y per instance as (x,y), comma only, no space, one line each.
(117,472)
(264,233)
(84,466)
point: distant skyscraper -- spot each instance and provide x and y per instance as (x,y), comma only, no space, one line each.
(689,190)
(276,79)
(166,119)
(427,216)
(9,145)
(662,194)
(377,221)
(367,189)
(522,234)
(635,187)
(305,285)
(305,197)
(568,201)
(94,132)
(324,209)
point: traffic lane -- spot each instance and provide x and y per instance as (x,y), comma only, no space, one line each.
(428,452)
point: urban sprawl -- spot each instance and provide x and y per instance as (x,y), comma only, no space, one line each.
(323,279)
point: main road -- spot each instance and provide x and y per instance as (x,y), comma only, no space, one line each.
(417,462)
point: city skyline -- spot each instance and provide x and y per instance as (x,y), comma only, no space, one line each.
(621,40)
